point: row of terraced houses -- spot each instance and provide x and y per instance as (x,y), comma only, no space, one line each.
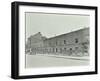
(75,43)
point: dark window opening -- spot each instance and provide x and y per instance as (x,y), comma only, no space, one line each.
(76,40)
(64,41)
(64,49)
(70,49)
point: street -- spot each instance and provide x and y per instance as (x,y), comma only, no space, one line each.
(37,61)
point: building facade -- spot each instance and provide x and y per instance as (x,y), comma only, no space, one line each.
(75,43)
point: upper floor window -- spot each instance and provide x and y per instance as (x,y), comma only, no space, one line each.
(64,41)
(76,40)
(50,43)
(56,43)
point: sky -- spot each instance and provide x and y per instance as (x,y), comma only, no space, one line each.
(51,25)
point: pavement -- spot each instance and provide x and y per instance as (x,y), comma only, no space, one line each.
(66,57)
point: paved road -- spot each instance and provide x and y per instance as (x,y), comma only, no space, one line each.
(45,61)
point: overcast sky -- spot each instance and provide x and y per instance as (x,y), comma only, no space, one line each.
(54,24)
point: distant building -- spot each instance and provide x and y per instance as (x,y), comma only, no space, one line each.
(75,43)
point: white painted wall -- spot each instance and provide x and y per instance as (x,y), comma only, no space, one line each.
(5,40)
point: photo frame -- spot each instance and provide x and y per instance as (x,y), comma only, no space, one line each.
(50,40)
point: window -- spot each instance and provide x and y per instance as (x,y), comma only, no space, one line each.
(64,41)
(76,40)
(53,49)
(49,44)
(60,50)
(56,42)
(56,49)
(70,49)
(76,48)
(64,49)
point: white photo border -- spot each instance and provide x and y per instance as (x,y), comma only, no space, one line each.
(39,71)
